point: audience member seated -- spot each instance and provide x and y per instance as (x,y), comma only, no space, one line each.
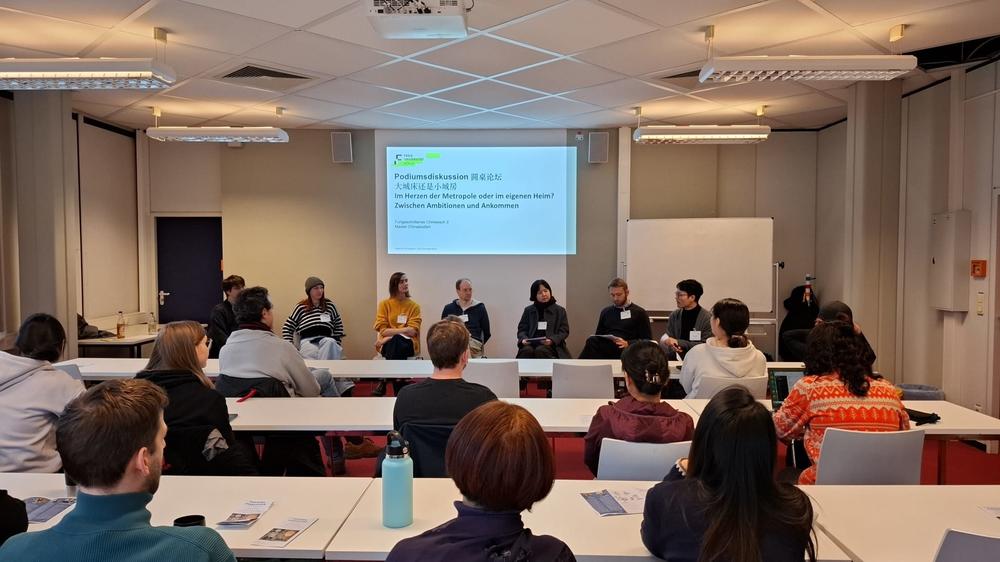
(839,390)
(544,326)
(441,400)
(13,517)
(641,416)
(729,353)
(690,324)
(619,325)
(397,323)
(199,439)
(32,395)
(111,441)
(801,310)
(502,464)
(722,502)
(222,322)
(794,341)
(472,313)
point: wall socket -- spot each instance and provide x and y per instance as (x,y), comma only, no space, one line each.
(980,303)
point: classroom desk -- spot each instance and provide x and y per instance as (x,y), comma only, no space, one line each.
(374,415)
(563,514)
(887,523)
(132,343)
(215,497)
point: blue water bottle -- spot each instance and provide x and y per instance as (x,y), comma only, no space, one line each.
(397,483)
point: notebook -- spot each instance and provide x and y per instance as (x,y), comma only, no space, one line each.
(781,382)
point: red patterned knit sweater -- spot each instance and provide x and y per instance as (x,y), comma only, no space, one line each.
(818,402)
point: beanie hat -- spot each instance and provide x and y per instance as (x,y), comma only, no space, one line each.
(312,282)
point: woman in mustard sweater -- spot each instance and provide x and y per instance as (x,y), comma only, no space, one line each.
(397,322)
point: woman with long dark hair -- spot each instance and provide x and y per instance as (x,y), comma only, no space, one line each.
(839,390)
(729,353)
(723,502)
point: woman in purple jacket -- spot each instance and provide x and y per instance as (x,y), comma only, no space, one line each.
(641,416)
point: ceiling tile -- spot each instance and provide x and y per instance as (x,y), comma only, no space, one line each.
(678,12)
(970,20)
(839,93)
(316,110)
(550,108)
(349,92)
(560,76)
(681,80)
(45,34)
(379,120)
(352,26)
(315,53)
(646,53)
(170,105)
(142,118)
(622,92)
(204,27)
(488,94)
(94,109)
(714,117)
(428,109)
(761,26)
(493,120)
(8,51)
(200,88)
(857,12)
(117,98)
(672,107)
(836,43)
(750,92)
(292,14)
(815,119)
(104,13)
(484,56)
(259,118)
(186,61)
(798,104)
(575,26)
(412,77)
(597,120)
(488,13)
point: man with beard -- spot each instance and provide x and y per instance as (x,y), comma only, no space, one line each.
(111,441)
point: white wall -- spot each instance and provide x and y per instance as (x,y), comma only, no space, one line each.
(831,250)
(185,177)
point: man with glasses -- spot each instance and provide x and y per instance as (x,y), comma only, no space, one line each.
(690,324)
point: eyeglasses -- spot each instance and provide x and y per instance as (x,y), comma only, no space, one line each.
(680,294)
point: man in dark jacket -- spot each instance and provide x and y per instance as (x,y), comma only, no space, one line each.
(223,321)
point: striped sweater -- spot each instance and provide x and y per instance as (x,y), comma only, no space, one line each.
(314,321)
(817,403)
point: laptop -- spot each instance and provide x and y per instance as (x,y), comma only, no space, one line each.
(781,381)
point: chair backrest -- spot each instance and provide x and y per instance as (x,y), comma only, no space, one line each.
(962,546)
(623,460)
(502,377)
(582,381)
(710,386)
(70,369)
(870,457)
(427,446)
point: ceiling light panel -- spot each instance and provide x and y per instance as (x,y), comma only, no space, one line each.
(708,134)
(794,67)
(84,74)
(217,134)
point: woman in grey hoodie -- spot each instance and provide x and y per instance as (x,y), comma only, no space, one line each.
(33,394)
(728,354)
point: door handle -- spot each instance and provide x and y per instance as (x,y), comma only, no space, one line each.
(163,297)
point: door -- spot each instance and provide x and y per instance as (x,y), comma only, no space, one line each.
(188,266)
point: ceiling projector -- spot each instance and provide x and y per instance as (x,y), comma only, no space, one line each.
(419,19)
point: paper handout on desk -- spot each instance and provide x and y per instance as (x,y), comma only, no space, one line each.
(41,509)
(616,502)
(246,514)
(285,532)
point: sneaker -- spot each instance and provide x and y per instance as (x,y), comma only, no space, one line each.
(367,449)
(379,389)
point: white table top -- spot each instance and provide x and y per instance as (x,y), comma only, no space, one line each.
(556,415)
(215,497)
(563,514)
(888,523)
(127,340)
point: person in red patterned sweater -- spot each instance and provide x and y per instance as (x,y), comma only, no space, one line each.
(840,391)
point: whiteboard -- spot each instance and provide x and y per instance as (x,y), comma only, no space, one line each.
(731,257)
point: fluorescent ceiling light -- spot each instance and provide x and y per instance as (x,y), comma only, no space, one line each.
(84,74)
(706,134)
(794,67)
(218,134)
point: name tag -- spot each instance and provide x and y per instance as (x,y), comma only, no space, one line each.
(695,335)
(324,318)
(626,315)
(401,319)
(464,317)
(543,325)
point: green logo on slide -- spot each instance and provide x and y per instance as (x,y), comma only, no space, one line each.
(411,160)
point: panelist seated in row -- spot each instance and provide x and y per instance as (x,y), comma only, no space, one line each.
(320,329)
(690,324)
(544,326)
(472,313)
(618,326)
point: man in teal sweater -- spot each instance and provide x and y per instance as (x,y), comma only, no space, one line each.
(111,441)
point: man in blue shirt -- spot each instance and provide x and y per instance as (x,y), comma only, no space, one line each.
(111,442)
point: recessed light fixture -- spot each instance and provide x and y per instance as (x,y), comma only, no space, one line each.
(703,134)
(765,68)
(217,134)
(84,74)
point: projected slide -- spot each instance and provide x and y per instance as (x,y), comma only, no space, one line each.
(481,200)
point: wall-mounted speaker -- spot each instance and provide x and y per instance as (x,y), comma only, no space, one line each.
(597,150)
(343,151)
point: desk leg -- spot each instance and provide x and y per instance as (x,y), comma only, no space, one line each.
(942,460)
